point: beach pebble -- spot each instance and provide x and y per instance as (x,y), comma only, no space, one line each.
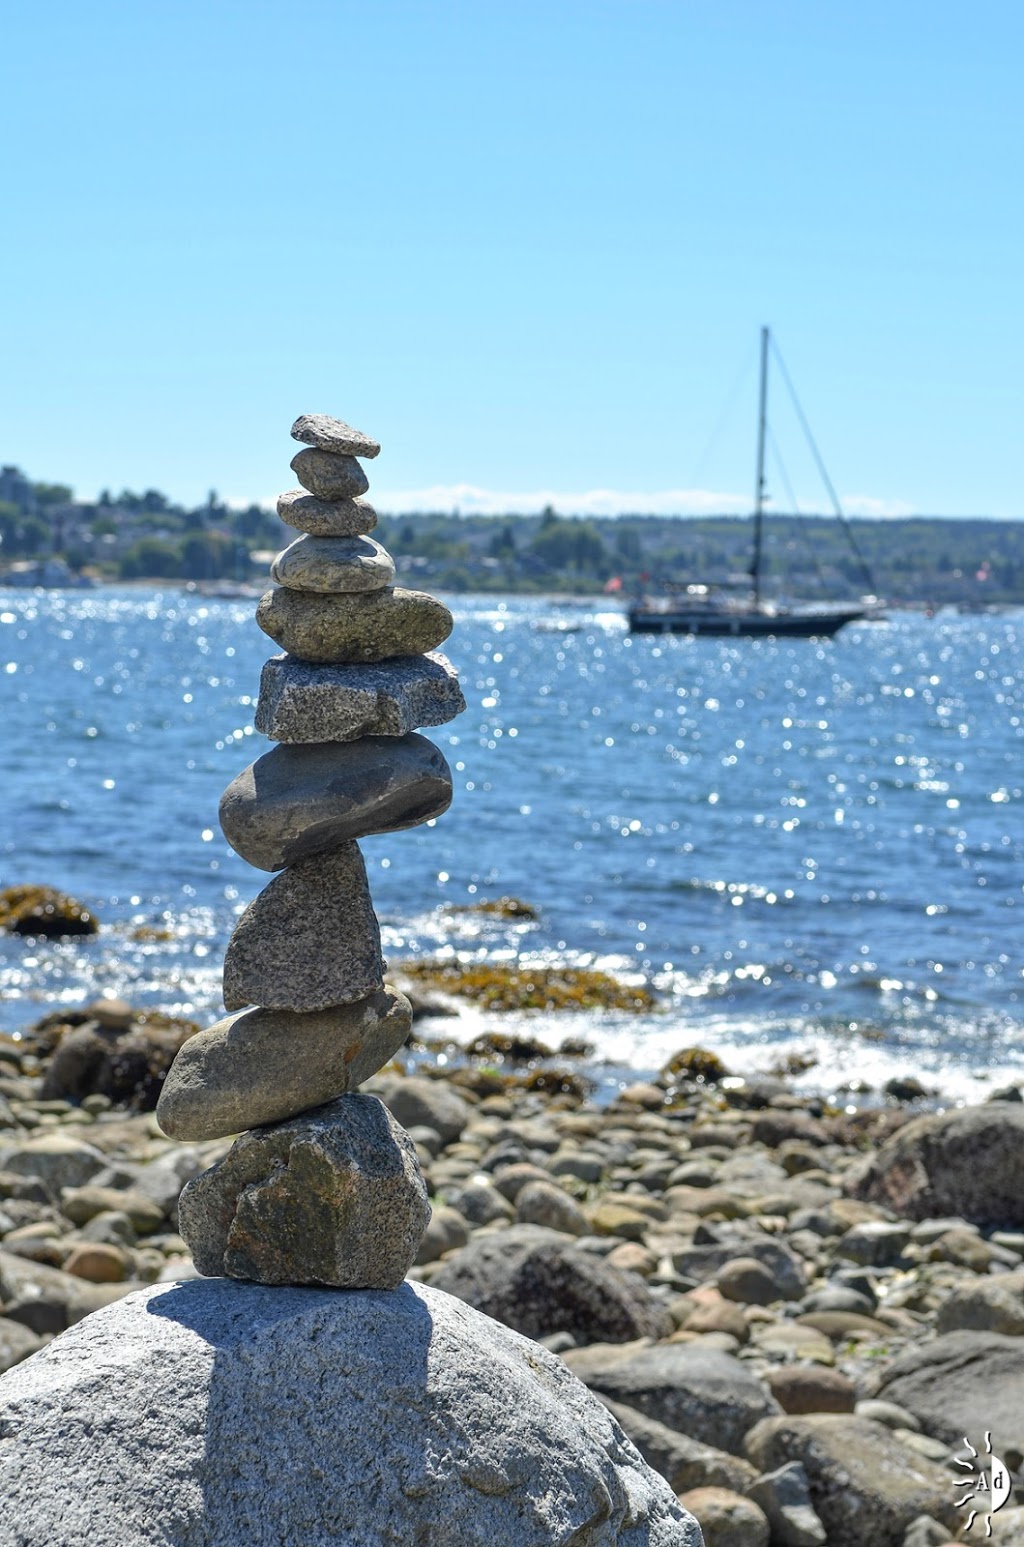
(989,1305)
(303,703)
(334,564)
(360,627)
(748,1281)
(325,518)
(727,1519)
(309,941)
(964,1162)
(54,1159)
(413,1100)
(81,1204)
(97,1263)
(333,435)
(16,1343)
(446,1231)
(298,801)
(801,1388)
(264,1066)
(334,1196)
(328,475)
(785,1497)
(540,1202)
(682,1461)
(865,1484)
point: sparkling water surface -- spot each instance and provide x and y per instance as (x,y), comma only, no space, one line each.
(805,847)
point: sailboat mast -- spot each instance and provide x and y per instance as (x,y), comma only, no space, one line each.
(759,494)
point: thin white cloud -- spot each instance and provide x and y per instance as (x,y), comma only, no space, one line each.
(470,499)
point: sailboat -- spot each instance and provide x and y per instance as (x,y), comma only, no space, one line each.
(702,609)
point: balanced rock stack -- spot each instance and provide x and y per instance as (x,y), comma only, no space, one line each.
(324,1187)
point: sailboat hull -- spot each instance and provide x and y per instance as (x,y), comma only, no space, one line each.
(743,625)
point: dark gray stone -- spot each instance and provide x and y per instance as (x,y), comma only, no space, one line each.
(866,1485)
(325,518)
(783,1267)
(299,801)
(310,940)
(333,435)
(328,476)
(301,703)
(355,628)
(785,1497)
(210,1414)
(966,1162)
(537,1282)
(698,1391)
(264,1066)
(334,564)
(683,1462)
(962,1383)
(334,1196)
(17,1342)
(418,1102)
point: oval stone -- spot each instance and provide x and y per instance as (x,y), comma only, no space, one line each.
(334,565)
(308,941)
(333,435)
(265,1066)
(298,801)
(328,476)
(335,630)
(325,518)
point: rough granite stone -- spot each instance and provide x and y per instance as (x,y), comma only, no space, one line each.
(334,564)
(962,1383)
(229,1415)
(329,476)
(325,518)
(363,627)
(264,1066)
(965,1163)
(333,435)
(334,1197)
(300,703)
(298,801)
(310,940)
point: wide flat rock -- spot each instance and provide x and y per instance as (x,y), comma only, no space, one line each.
(264,1066)
(325,518)
(301,703)
(334,1196)
(310,940)
(362,627)
(962,1383)
(333,435)
(329,476)
(298,801)
(218,1414)
(334,564)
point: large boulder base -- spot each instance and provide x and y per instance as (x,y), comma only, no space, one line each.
(296,802)
(965,1164)
(210,1414)
(265,1066)
(962,1383)
(333,1197)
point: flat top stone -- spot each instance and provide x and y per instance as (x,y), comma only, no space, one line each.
(299,702)
(333,435)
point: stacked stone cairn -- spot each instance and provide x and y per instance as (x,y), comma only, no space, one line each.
(322,1186)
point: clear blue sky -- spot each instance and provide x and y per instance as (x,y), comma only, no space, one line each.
(527,244)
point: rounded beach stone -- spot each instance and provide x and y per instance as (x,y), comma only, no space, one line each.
(301,703)
(333,1196)
(264,1066)
(329,476)
(298,801)
(333,435)
(232,1415)
(310,940)
(325,518)
(334,564)
(357,627)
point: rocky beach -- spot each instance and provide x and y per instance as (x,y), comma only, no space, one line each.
(796,1313)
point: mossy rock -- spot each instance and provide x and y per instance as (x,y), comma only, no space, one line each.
(41,910)
(694,1063)
(508,1049)
(556,1082)
(501,907)
(499,987)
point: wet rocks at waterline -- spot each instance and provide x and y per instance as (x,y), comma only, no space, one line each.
(322,1186)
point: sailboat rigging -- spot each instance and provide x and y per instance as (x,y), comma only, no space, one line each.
(698,609)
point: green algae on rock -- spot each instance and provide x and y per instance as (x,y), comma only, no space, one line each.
(499,987)
(42,910)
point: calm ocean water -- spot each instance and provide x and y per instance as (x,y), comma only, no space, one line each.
(805,847)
